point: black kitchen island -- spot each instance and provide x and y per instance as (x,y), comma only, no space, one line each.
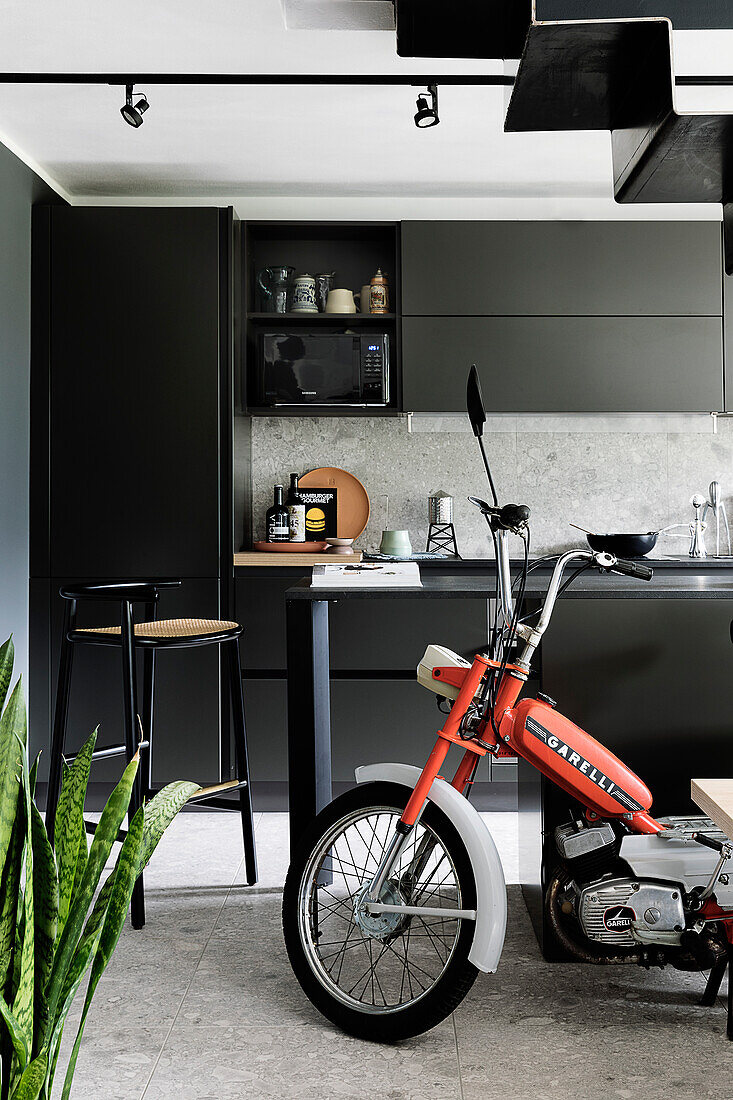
(643,666)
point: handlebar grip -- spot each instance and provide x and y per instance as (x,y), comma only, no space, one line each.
(633,569)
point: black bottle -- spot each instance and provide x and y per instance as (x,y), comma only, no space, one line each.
(276,522)
(296,511)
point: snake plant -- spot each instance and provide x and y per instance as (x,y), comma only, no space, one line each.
(55,926)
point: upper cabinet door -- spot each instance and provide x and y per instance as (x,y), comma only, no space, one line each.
(561,269)
(564,364)
(134,379)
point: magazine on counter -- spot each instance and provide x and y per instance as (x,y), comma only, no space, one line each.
(405,574)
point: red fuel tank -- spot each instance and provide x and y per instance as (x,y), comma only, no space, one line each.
(574,760)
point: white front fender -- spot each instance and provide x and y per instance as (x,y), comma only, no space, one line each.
(488,939)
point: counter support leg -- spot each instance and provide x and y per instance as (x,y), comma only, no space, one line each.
(309,713)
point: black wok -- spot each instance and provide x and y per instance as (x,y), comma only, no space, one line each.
(624,546)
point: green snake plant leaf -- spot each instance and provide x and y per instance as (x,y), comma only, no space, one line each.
(69,829)
(17,1036)
(77,970)
(34,775)
(12,731)
(46,912)
(81,861)
(159,813)
(125,874)
(33,1079)
(104,837)
(7,659)
(9,894)
(23,1002)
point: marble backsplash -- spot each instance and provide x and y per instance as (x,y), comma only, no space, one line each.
(638,480)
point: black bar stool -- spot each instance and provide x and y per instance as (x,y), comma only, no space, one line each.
(150,635)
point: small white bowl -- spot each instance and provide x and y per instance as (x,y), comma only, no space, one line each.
(341,546)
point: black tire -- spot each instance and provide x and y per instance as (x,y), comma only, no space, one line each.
(391,1023)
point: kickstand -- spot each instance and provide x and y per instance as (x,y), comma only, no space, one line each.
(715,979)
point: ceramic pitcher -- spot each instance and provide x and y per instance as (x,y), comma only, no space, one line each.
(274,283)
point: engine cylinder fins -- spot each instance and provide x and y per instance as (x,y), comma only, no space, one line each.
(589,851)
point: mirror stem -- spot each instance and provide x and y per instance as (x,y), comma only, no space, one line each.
(488,471)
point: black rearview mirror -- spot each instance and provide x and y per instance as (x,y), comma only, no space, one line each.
(475,403)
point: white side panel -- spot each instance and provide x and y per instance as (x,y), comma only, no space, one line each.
(676,860)
(488,939)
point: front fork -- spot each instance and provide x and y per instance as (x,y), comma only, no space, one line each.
(447,736)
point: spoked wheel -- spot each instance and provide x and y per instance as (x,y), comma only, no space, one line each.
(380,975)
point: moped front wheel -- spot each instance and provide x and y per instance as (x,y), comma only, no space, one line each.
(380,975)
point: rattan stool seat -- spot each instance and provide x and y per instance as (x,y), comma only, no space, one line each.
(169,628)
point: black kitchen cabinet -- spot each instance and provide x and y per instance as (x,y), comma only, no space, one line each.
(728,339)
(386,634)
(371,721)
(651,680)
(131,452)
(134,392)
(378,711)
(564,364)
(571,269)
(366,635)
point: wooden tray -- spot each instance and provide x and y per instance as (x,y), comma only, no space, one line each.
(290,547)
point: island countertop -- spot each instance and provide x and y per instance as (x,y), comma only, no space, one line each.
(684,583)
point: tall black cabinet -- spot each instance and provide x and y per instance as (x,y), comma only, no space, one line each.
(131,453)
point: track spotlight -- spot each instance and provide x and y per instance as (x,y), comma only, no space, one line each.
(427,114)
(133,112)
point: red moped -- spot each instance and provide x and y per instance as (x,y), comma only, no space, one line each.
(395,899)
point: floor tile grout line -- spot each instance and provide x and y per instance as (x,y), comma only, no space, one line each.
(191,981)
(458,1057)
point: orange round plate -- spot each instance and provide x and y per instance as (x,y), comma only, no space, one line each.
(352,501)
(291,547)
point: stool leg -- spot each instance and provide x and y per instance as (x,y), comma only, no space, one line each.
(61,713)
(146,764)
(131,739)
(240,749)
(146,761)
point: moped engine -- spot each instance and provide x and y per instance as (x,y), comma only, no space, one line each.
(622,912)
(604,911)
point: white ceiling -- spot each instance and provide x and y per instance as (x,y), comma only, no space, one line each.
(259,146)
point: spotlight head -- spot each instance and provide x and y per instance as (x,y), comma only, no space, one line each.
(133,112)
(427,113)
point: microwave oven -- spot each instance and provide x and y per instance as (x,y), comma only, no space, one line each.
(323,369)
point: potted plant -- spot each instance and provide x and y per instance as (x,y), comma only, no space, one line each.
(54,926)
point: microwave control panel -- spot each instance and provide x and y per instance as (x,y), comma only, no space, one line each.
(375,369)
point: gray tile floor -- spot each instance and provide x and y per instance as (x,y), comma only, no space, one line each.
(201,1005)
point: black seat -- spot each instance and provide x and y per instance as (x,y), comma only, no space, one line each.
(149,635)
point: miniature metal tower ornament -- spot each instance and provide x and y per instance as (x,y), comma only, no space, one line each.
(441,532)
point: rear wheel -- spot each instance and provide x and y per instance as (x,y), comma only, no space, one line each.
(382,976)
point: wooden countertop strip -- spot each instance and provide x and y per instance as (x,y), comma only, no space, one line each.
(325,557)
(715,798)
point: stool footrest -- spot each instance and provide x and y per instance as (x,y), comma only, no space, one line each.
(218,788)
(100,754)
